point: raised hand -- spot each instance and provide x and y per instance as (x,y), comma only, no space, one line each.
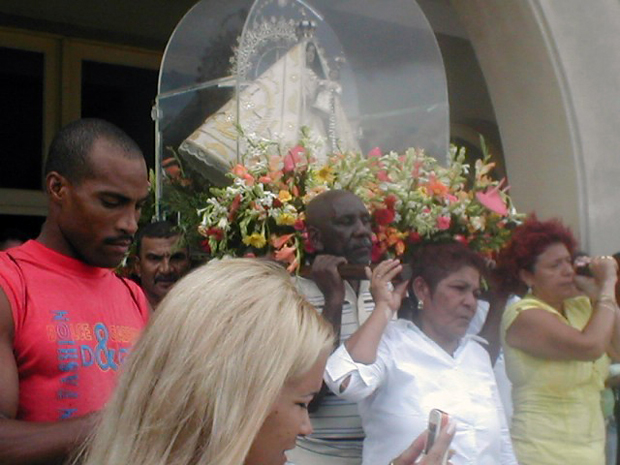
(383,292)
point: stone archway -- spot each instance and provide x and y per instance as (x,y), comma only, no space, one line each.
(553,72)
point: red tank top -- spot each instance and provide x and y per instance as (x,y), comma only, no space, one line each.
(74,326)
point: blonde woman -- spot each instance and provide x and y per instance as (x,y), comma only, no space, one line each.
(223,374)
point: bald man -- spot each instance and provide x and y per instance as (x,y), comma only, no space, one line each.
(339,229)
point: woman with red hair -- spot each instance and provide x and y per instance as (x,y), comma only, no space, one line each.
(556,342)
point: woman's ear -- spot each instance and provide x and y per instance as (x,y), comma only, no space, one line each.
(527,277)
(421,289)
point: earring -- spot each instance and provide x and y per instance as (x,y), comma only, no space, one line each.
(420,304)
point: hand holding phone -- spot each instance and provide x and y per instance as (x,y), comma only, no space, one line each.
(437,421)
(432,447)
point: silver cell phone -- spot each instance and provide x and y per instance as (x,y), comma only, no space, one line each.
(437,421)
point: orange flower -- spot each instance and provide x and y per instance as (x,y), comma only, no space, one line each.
(285,254)
(239,170)
(279,241)
(437,187)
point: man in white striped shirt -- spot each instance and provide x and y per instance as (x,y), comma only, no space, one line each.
(339,229)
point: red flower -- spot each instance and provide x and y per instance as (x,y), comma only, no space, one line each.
(205,246)
(384,216)
(390,201)
(234,206)
(462,239)
(217,233)
(376,253)
(414,237)
(277,203)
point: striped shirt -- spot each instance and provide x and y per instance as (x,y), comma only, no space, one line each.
(336,423)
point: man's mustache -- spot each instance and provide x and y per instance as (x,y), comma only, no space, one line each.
(168,278)
(119,240)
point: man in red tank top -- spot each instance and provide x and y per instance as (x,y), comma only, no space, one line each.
(66,320)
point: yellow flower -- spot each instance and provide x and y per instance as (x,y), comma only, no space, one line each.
(423,191)
(255,240)
(286,219)
(284,196)
(325,174)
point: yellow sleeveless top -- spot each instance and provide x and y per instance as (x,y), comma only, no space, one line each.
(557,413)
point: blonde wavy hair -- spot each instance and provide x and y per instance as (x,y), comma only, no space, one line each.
(203,377)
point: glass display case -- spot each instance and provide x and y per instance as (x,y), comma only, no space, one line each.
(354,75)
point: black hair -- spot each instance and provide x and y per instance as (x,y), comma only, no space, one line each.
(69,151)
(158,229)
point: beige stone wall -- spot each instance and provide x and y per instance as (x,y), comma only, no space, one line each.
(553,72)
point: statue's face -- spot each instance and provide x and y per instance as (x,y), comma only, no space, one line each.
(310,53)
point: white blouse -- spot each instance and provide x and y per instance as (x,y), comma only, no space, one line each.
(411,376)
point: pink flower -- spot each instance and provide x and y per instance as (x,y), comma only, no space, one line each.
(451,198)
(293,157)
(285,254)
(299,225)
(309,246)
(443,222)
(383,176)
(374,153)
(492,199)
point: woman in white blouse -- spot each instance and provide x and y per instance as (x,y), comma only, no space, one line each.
(399,370)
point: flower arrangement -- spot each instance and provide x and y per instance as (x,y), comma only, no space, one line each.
(263,210)
(412,198)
